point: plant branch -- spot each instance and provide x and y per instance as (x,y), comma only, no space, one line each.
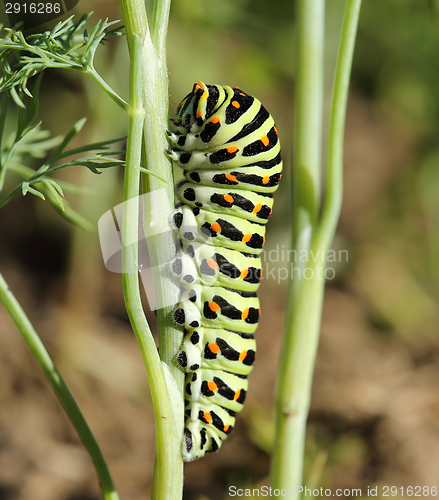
(63,47)
(334,184)
(305,302)
(106,88)
(308,120)
(60,388)
(287,462)
(159,215)
(145,79)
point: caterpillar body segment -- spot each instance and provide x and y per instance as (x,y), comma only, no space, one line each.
(226,145)
(213,347)
(226,231)
(253,177)
(223,389)
(255,207)
(210,266)
(214,307)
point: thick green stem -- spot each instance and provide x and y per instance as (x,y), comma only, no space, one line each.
(158,210)
(305,301)
(60,388)
(158,216)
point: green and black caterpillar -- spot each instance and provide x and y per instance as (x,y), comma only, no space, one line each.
(227,145)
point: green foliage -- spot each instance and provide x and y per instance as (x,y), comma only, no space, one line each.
(68,45)
(63,47)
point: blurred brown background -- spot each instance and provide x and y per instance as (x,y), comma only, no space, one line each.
(375,407)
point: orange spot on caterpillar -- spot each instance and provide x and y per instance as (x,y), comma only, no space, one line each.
(271,211)
(280,176)
(228,198)
(244,273)
(231,177)
(226,427)
(215,119)
(216,227)
(237,394)
(242,355)
(247,237)
(214,307)
(265,140)
(213,264)
(263,240)
(212,386)
(260,274)
(242,93)
(232,149)
(199,114)
(244,314)
(236,104)
(275,129)
(207,417)
(214,348)
(257,208)
(265,179)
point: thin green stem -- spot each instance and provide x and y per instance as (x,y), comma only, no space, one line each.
(308,120)
(334,184)
(287,461)
(106,88)
(60,388)
(160,20)
(10,195)
(135,19)
(305,302)
(3,161)
(4,169)
(148,81)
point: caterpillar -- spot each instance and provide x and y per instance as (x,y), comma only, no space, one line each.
(227,146)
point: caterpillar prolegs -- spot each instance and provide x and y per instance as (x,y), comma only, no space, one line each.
(227,146)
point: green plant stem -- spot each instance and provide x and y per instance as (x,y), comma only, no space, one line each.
(305,302)
(60,388)
(160,20)
(152,84)
(287,463)
(334,184)
(308,121)
(106,88)
(159,215)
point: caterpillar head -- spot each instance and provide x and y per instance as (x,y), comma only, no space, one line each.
(198,106)
(192,109)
